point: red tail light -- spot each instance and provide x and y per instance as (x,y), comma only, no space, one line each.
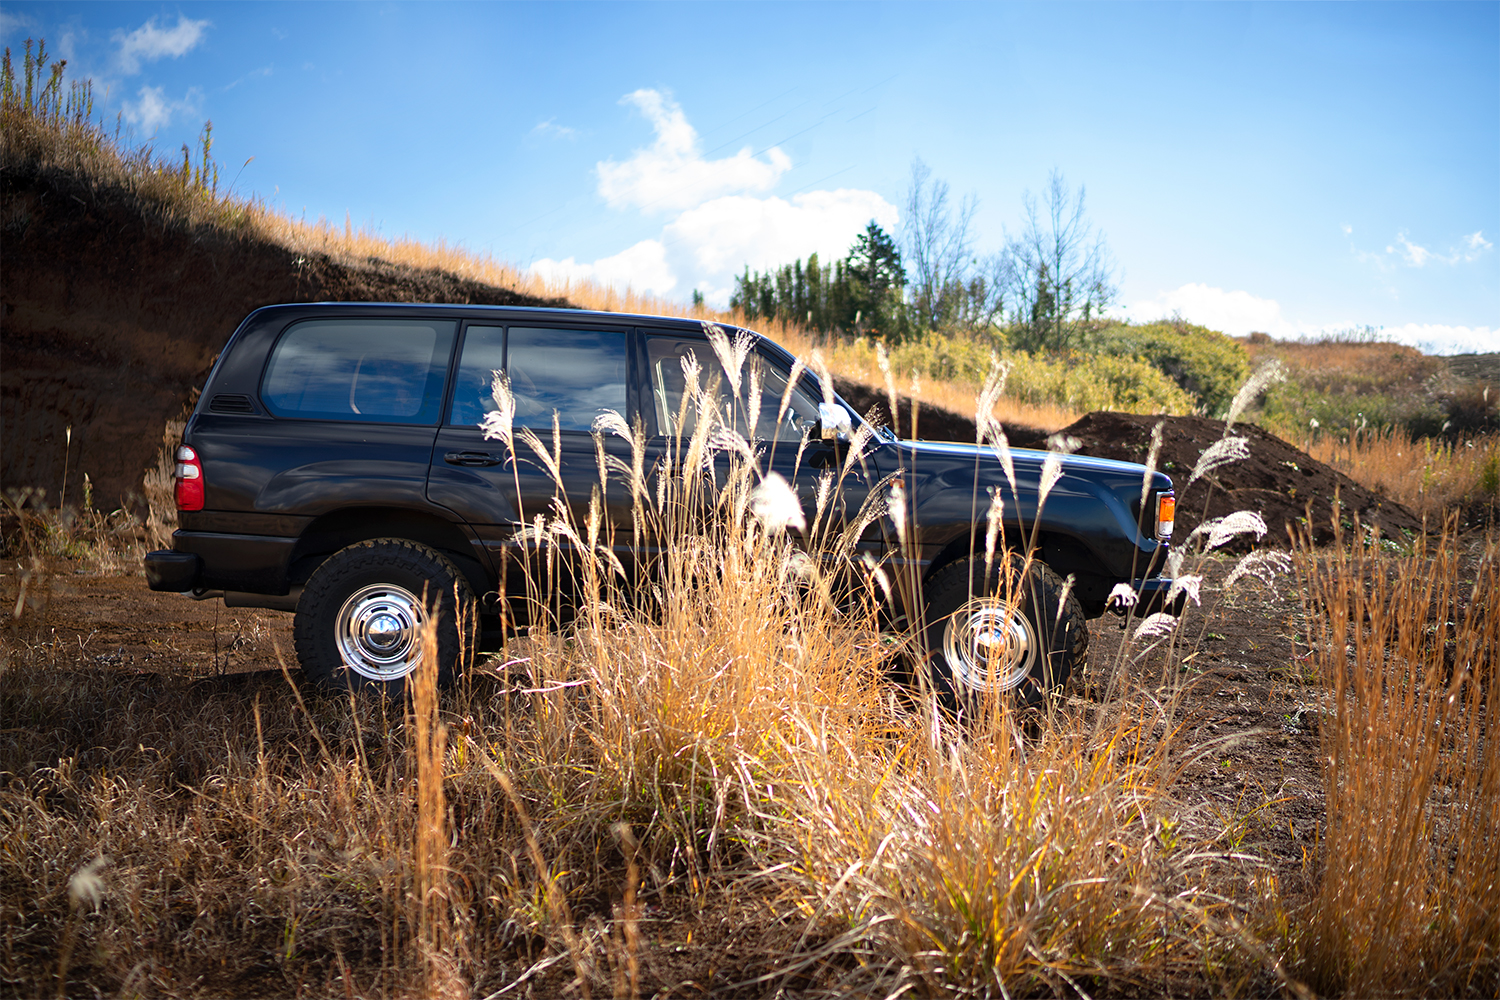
(189,480)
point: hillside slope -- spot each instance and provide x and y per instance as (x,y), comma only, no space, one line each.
(112,311)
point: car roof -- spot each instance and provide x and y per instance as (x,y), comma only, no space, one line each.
(590,316)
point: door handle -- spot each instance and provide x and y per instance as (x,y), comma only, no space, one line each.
(472,458)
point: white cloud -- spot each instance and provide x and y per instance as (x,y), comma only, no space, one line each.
(719,229)
(554,130)
(150,42)
(672,174)
(152,109)
(1436,338)
(642,267)
(13,23)
(1238,313)
(1235,313)
(725,235)
(1415,256)
(1402,250)
(1476,244)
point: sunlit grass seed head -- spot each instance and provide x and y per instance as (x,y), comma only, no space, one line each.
(1220,530)
(1189,584)
(498,423)
(1155,626)
(1052,468)
(86,884)
(732,354)
(1152,454)
(1263,565)
(1122,596)
(1222,452)
(896,508)
(1267,375)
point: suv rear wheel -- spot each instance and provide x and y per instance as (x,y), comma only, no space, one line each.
(360,618)
(1016,631)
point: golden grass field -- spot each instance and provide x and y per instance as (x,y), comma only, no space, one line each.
(730,784)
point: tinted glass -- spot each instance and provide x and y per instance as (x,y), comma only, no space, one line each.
(388,371)
(484,354)
(577,373)
(668,380)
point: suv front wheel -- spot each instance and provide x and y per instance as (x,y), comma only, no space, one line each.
(360,617)
(1016,631)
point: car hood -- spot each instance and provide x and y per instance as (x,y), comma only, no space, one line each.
(1023,458)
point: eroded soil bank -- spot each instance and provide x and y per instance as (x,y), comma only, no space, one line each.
(113,313)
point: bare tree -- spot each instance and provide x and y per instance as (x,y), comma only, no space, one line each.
(1057,271)
(948,286)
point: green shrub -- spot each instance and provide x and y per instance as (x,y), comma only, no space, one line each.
(1074,380)
(1292,407)
(1206,364)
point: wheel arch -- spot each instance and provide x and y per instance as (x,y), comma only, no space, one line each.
(347,526)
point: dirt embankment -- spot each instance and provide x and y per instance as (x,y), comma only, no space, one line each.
(112,314)
(1277,480)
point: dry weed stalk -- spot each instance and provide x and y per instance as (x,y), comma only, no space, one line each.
(1411,852)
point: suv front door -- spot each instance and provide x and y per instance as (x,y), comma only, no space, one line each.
(774,424)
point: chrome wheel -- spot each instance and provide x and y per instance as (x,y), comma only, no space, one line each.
(377,632)
(989,645)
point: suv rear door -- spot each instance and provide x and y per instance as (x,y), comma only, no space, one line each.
(573,372)
(356,404)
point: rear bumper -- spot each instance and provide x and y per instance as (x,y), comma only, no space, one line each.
(205,560)
(172,571)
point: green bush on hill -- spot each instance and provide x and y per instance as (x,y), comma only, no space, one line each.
(1072,379)
(1206,364)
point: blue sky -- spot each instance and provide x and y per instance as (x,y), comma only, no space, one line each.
(1292,168)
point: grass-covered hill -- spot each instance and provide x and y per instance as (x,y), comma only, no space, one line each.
(122,278)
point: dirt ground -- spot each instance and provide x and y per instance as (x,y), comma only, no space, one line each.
(1248,704)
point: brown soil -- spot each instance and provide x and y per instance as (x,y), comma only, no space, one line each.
(113,314)
(1281,483)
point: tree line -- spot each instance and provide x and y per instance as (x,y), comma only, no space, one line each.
(1041,291)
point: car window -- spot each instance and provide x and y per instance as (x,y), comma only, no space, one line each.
(666,356)
(484,354)
(576,373)
(388,371)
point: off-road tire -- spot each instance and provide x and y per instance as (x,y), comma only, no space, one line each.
(359,617)
(1042,629)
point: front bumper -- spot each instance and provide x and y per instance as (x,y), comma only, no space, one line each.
(1151,597)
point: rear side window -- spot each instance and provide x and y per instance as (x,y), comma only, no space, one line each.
(381,371)
(576,373)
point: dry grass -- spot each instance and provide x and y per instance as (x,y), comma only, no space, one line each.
(718,785)
(1339,364)
(715,784)
(1430,476)
(1411,853)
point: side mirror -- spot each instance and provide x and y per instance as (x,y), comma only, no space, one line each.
(833,421)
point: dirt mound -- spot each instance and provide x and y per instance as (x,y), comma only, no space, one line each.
(112,315)
(1277,481)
